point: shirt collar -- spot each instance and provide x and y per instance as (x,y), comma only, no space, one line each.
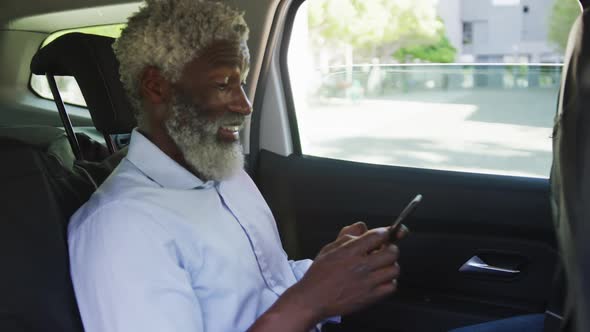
(159,167)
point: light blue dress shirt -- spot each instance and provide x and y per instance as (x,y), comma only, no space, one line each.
(157,249)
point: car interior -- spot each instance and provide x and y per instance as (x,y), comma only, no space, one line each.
(483,246)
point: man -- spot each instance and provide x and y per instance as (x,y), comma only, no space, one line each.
(179,238)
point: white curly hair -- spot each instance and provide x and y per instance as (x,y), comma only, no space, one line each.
(168,34)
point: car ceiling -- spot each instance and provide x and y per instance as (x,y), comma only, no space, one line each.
(47,16)
(44,16)
(50,16)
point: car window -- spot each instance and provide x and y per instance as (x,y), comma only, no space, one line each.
(459,85)
(67,85)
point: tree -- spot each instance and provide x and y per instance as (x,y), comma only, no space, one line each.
(563,15)
(440,51)
(375,27)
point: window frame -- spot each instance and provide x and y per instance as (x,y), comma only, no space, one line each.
(283,50)
(286,77)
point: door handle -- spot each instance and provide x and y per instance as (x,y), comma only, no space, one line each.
(477,266)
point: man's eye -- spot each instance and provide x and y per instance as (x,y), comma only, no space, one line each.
(222,86)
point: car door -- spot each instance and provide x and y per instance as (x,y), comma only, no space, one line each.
(333,142)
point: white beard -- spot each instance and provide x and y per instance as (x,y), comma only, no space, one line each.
(196,137)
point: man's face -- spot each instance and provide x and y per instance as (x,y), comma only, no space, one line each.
(208,109)
(213,82)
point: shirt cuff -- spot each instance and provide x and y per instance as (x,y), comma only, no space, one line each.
(332,320)
(300,267)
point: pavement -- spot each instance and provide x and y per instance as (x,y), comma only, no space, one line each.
(504,131)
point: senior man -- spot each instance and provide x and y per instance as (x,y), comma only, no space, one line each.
(179,238)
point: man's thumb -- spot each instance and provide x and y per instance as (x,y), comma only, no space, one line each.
(357,229)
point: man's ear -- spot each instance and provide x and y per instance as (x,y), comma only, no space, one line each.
(154,88)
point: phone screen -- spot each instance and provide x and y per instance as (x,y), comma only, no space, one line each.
(405,213)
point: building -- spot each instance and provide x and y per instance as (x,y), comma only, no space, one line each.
(500,31)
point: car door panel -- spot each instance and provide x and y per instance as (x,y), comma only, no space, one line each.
(504,220)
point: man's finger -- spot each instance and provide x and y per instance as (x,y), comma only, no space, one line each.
(357,229)
(370,241)
(383,258)
(338,242)
(385,288)
(386,274)
(402,232)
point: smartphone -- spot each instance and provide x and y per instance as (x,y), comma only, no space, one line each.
(404,214)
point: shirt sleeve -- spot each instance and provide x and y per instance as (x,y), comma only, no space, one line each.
(128,274)
(299,269)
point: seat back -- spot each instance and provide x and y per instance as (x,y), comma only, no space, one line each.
(51,140)
(91,60)
(41,187)
(570,178)
(37,197)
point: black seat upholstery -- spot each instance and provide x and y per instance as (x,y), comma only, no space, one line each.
(37,198)
(43,185)
(91,60)
(570,177)
(51,140)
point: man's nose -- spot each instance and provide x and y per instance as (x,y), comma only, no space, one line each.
(241,104)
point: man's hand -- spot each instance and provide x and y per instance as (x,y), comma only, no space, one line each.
(359,228)
(348,274)
(355,230)
(357,269)
(347,233)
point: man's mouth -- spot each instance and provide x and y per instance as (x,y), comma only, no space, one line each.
(229,133)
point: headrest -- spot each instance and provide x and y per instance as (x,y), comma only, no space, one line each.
(91,60)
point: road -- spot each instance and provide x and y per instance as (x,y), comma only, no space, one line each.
(495,132)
